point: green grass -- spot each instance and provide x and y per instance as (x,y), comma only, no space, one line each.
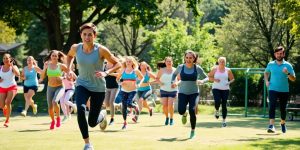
(32,133)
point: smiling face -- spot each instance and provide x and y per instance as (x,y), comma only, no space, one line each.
(6,58)
(169,62)
(30,60)
(54,56)
(88,36)
(189,58)
(222,61)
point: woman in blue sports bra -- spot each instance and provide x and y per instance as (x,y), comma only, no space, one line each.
(145,90)
(129,75)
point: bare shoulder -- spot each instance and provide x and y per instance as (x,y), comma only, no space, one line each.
(73,50)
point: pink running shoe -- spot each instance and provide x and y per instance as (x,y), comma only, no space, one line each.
(58,122)
(6,123)
(52,125)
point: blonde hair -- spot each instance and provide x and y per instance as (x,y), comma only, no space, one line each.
(133,60)
(222,58)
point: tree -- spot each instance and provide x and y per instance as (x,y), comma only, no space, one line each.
(7,34)
(49,13)
(250,33)
(291,8)
(174,39)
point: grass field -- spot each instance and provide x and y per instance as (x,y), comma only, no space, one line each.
(32,133)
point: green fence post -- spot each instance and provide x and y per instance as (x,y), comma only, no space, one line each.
(265,99)
(246,93)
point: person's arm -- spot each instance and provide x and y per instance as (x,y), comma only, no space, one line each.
(70,56)
(290,73)
(140,77)
(158,75)
(176,72)
(64,68)
(231,76)
(43,73)
(211,75)
(106,54)
(22,76)
(266,77)
(16,70)
(38,69)
(153,76)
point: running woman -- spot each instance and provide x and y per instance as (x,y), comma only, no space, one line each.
(8,85)
(145,90)
(188,89)
(167,93)
(54,68)
(90,82)
(220,88)
(112,87)
(129,76)
(29,76)
(65,103)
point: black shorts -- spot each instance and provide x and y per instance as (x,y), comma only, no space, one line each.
(27,88)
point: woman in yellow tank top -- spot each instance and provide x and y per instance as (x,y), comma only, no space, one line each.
(53,68)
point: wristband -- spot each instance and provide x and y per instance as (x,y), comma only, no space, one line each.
(288,74)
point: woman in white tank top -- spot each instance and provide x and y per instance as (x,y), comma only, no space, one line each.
(8,85)
(222,78)
(167,93)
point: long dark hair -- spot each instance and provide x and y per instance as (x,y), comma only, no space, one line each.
(61,56)
(14,61)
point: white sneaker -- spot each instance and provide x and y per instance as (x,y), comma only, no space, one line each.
(34,109)
(88,147)
(24,113)
(102,117)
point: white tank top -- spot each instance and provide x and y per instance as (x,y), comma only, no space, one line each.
(166,80)
(223,77)
(8,78)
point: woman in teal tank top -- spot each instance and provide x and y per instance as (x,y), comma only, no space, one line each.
(53,68)
(29,76)
(90,82)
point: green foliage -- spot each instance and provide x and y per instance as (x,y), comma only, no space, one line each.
(7,34)
(213,10)
(176,37)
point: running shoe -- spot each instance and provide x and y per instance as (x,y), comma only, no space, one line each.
(52,125)
(34,109)
(224,124)
(24,113)
(283,128)
(271,129)
(171,121)
(88,147)
(6,123)
(103,122)
(184,118)
(58,122)
(135,118)
(167,121)
(124,126)
(217,114)
(192,135)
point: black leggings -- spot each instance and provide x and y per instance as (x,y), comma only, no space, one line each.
(127,99)
(190,99)
(283,97)
(81,96)
(221,96)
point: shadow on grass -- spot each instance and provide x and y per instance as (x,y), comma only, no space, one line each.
(173,139)
(33,130)
(257,123)
(278,144)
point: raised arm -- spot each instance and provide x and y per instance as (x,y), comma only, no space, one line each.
(106,54)
(70,56)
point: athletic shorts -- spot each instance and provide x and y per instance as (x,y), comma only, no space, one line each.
(171,94)
(27,88)
(11,88)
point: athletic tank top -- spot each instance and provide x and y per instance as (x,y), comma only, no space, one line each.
(31,77)
(111,82)
(129,76)
(188,77)
(8,78)
(223,77)
(87,65)
(54,73)
(166,80)
(146,80)
(68,84)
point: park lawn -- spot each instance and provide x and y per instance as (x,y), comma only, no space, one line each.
(32,133)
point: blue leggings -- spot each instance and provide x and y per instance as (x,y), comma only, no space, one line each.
(127,99)
(190,99)
(81,96)
(283,97)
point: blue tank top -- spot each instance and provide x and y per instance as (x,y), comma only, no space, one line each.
(146,80)
(188,77)
(87,65)
(31,77)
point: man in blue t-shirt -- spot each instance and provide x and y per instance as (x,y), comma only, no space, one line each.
(281,71)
